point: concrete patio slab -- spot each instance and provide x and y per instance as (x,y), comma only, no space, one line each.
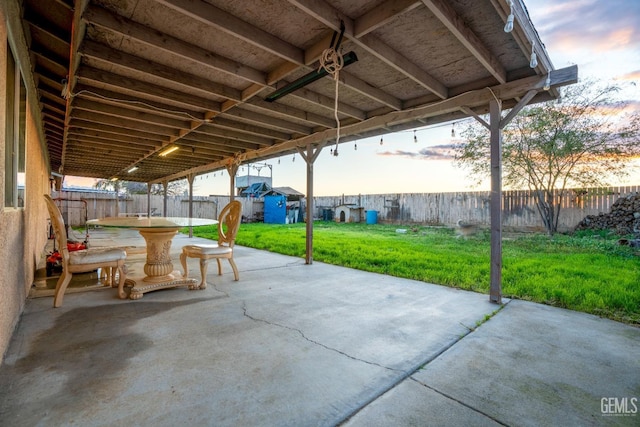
(530,365)
(311,345)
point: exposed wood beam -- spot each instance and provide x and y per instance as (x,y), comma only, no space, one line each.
(144,90)
(124,123)
(364,88)
(52,33)
(166,43)
(131,148)
(243,129)
(470,99)
(382,14)
(114,129)
(445,13)
(524,32)
(87,134)
(50,63)
(266,121)
(224,21)
(111,110)
(133,102)
(326,102)
(78,29)
(211,15)
(331,17)
(167,74)
(226,144)
(287,111)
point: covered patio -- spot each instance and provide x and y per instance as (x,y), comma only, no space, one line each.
(159,90)
(298,345)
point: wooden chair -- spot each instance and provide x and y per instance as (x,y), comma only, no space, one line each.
(229,218)
(81,261)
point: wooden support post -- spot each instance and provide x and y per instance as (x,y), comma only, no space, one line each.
(310,157)
(165,188)
(148,200)
(309,213)
(232,169)
(190,179)
(495,113)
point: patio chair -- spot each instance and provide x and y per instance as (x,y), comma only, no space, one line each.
(229,218)
(82,261)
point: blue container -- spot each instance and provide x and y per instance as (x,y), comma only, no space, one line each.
(372,217)
(275,209)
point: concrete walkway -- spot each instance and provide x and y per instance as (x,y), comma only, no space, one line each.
(314,345)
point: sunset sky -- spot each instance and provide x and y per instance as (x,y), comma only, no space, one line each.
(601,36)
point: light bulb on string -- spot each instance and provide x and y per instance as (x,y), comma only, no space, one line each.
(381,142)
(508,26)
(355,146)
(415,138)
(547,83)
(453,130)
(278,160)
(533,63)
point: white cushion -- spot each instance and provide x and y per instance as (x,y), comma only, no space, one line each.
(214,249)
(96,255)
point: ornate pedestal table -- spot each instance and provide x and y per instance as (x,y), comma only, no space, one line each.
(158,232)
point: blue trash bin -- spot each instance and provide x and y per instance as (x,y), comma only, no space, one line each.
(372,217)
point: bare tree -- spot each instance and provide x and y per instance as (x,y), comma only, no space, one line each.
(584,140)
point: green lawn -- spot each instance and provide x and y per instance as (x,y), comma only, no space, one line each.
(586,272)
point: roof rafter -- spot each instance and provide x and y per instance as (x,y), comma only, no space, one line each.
(331,17)
(445,13)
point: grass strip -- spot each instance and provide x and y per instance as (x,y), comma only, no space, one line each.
(587,272)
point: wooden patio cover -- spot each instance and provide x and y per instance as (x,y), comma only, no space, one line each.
(119,81)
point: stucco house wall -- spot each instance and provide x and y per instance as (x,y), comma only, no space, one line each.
(22,230)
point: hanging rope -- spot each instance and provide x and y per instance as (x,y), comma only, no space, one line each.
(332,62)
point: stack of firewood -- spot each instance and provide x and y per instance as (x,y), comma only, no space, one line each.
(624,217)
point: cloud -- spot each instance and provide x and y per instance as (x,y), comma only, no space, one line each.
(600,26)
(436,152)
(631,77)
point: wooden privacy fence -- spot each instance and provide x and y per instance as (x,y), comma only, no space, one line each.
(518,207)
(519,210)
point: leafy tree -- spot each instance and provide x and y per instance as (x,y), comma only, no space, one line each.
(174,188)
(583,140)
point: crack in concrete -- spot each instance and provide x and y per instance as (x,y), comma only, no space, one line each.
(405,374)
(470,330)
(255,319)
(441,393)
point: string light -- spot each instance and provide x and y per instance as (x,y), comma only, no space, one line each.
(547,83)
(508,26)
(355,146)
(381,141)
(534,58)
(453,130)
(415,137)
